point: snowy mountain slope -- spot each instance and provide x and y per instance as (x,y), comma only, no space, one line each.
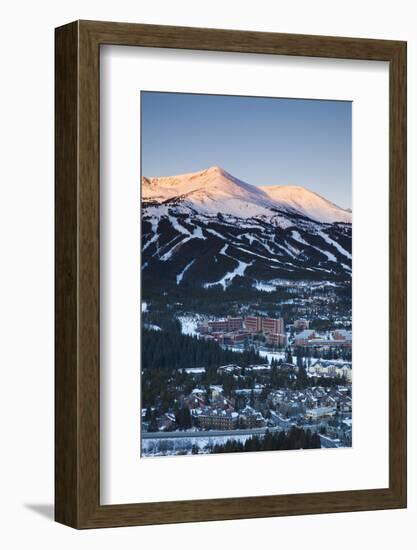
(209,229)
(215,190)
(307,203)
(210,192)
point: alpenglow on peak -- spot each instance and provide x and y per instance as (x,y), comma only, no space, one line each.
(214,190)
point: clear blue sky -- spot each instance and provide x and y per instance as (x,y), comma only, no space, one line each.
(263,141)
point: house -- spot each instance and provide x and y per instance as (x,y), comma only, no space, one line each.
(210,418)
(320,413)
(249,418)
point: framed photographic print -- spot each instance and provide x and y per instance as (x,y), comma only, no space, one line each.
(230,274)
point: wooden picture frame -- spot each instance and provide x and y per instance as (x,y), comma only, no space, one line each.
(77,382)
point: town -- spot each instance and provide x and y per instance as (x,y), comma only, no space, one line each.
(282,377)
(257,329)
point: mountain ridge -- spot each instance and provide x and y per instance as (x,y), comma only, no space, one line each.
(215,190)
(308,202)
(209,229)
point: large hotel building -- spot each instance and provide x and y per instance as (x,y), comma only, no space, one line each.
(236,329)
(267,325)
(253,324)
(231,324)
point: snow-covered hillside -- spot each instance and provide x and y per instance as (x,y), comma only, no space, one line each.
(307,203)
(214,190)
(209,229)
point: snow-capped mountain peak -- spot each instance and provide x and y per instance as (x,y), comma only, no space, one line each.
(210,229)
(214,191)
(210,191)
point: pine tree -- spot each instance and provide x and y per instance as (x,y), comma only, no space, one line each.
(315,441)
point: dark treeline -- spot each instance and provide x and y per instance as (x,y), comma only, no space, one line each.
(172,350)
(323,353)
(296,438)
(162,319)
(214,301)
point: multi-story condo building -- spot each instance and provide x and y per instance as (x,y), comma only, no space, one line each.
(325,343)
(267,325)
(216,419)
(276,339)
(320,413)
(235,323)
(272,326)
(331,369)
(253,324)
(249,418)
(234,337)
(220,325)
(230,324)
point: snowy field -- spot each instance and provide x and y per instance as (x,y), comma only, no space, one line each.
(265,353)
(189,324)
(175,446)
(272,355)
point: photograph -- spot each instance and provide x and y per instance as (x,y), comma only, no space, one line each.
(202,209)
(246,274)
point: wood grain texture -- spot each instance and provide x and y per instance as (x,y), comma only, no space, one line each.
(398,273)
(66,237)
(78,284)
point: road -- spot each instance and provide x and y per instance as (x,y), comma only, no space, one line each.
(326,442)
(205,433)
